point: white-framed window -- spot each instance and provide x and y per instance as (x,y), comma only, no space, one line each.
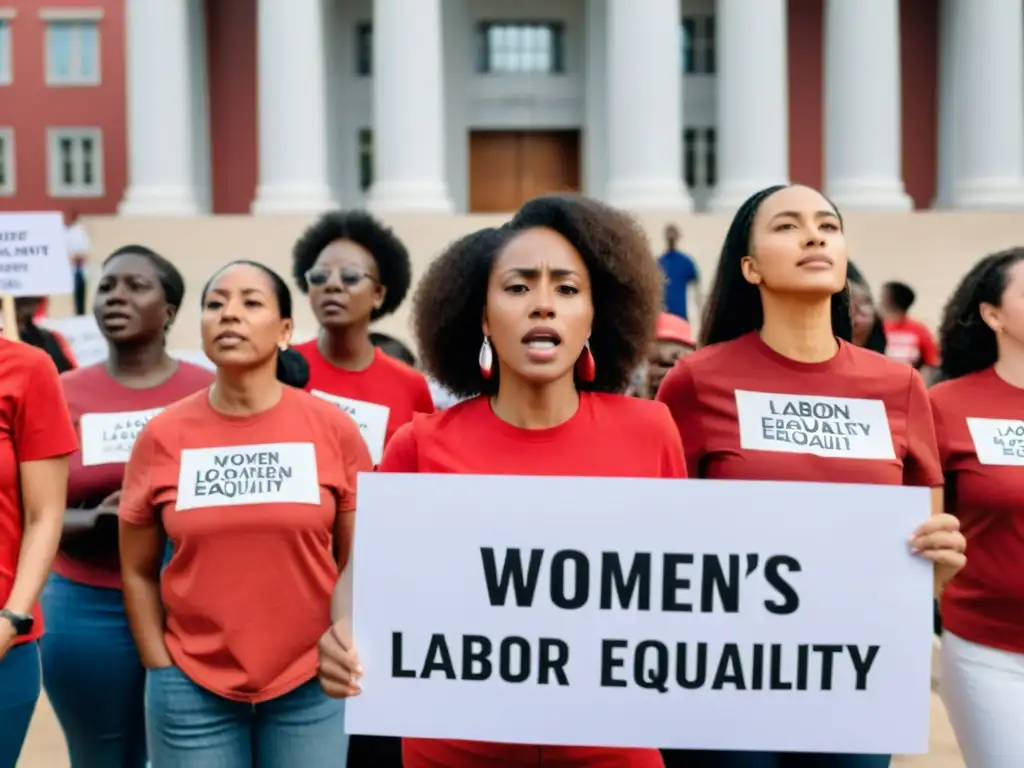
(7,180)
(6,56)
(520,48)
(72,52)
(700,158)
(75,162)
(697,41)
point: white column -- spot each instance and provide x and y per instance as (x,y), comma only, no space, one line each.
(753,99)
(863,155)
(162,138)
(292,108)
(408,108)
(645,110)
(989,37)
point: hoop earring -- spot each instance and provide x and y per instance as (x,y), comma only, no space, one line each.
(586,369)
(486,359)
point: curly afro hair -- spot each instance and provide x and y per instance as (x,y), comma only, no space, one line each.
(626,286)
(363,229)
(966,342)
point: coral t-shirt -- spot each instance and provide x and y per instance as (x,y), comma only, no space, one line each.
(108,417)
(381,397)
(250,507)
(910,342)
(746,412)
(608,436)
(34,425)
(979,420)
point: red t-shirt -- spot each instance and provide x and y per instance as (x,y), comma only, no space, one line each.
(608,436)
(978,419)
(385,382)
(910,342)
(34,425)
(108,417)
(250,507)
(746,412)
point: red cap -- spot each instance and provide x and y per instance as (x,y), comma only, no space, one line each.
(674,328)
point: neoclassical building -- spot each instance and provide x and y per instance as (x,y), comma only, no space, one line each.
(435,106)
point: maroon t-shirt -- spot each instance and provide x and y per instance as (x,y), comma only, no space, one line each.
(979,421)
(745,412)
(108,417)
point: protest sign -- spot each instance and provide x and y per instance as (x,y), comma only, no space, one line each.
(33,255)
(83,336)
(628,612)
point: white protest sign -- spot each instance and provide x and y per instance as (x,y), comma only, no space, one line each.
(33,255)
(107,438)
(998,442)
(833,427)
(371,418)
(244,475)
(194,356)
(83,336)
(795,611)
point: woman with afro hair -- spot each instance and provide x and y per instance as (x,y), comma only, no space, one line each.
(979,419)
(540,323)
(355,271)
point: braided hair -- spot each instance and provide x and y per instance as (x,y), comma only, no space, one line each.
(965,339)
(733,307)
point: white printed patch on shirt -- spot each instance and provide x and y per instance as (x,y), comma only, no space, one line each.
(371,418)
(833,427)
(241,475)
(107,438)
(998,442)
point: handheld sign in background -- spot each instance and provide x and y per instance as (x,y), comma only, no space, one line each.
(812,616)
(371,418)
(83,336)
(33,255)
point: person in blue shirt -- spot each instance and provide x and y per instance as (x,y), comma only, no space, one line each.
(680,272)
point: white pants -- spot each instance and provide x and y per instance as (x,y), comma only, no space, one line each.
(983,690)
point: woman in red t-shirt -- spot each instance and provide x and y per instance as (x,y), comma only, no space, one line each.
(252,481)
(979,420)
(539,323)
(777,330)
(91,669)
(36,437)
(357,271)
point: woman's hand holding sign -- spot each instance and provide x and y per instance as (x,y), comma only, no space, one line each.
(939,539)
(339,670)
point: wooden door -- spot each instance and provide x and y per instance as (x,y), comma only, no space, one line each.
(507,168)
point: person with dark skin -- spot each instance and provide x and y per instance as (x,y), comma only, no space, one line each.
(539,324)
(91,668)
(26,309)
(868,328)
(356,271)
(908,340)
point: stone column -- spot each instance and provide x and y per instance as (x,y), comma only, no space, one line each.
(753,99)
(645,113)
(408,108)
(863,154)
(292,108)
(989,40)
(162,140)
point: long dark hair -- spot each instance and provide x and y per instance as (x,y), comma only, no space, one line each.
(292,368)
(733,307)
(967,343)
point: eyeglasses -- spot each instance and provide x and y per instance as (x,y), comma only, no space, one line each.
(347,276)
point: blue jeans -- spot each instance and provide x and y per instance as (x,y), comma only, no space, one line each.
(190,727)
(19,692)
(693,759)
(92,675)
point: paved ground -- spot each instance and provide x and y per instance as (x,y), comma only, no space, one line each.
(45,747)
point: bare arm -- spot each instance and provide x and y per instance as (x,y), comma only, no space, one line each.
(44,486)
(141,548)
